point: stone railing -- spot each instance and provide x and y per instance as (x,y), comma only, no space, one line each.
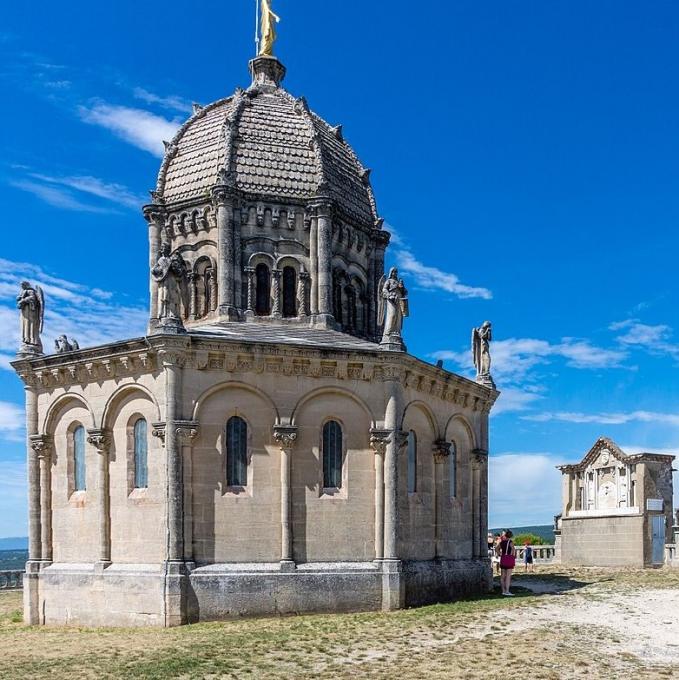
(12,580)
(542,554)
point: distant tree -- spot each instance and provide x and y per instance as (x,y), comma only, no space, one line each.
(533,539)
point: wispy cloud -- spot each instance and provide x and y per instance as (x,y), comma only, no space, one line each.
(516,399)
(141,128)
(11,417)
(173,102)
(57,197)
(90,315)
(115,193)
(621,418)
(13,505)
(655,339)
(431,278)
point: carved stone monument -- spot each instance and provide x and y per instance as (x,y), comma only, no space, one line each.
(392,309)
(31,305)
(169,273)
(62,344)
(481,339)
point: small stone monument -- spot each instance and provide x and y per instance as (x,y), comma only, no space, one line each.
(31,305)
(62,345)
(481,339)
(392,309)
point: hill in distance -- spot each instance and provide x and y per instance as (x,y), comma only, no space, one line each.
(544,531)
(16,543)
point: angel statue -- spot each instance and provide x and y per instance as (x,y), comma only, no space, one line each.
(481,339)
(169,272)
(62,344)
(268,29)
(31,305)
(392,309)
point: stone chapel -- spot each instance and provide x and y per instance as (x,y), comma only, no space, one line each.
(269,446)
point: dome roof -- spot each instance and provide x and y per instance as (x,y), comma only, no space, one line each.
(271,146)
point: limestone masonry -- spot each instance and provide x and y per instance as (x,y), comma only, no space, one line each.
(269,446)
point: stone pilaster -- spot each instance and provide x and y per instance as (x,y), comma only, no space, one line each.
(43,446)
(313,264)
(441,451)
(324,242)
(379,439)
(223,202)
(480,502)
(286,436)
(187,431)
(101,440)
(303,295)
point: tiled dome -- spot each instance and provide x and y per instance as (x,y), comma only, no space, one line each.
(271,146)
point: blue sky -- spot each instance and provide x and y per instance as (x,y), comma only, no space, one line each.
(524,153)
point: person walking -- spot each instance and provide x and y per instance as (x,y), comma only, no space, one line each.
(527,556)
(507,562)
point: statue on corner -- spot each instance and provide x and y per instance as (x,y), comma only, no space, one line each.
(392,309)
(169,272)
(31,305)
(481,339)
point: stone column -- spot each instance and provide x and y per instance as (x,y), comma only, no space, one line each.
(276,293)
(286,436)
(379,439)
(313,264)
(187,431)
(441,450)
(223,202)
(303,295)
(480,501)
(42,446)
(392,585)
(32,615)
(212,285)
(371,293)
(250,273)
(193,296)
(155,216)
(324,236)
(101,440)
(380,242)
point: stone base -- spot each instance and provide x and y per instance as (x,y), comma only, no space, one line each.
(393,343)
(173,594)
(486,381)
(169,327)
(27,351)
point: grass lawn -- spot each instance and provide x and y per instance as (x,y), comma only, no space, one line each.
(468,639)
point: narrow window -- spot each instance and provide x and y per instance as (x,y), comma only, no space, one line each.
(236,452)
(141,469)
(452,458)
(412,462)
(79,481)
(332,455)
(263,299)
(289,292)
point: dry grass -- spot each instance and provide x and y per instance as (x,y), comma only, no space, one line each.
(466,639)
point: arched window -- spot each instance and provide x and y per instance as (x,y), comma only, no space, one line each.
(289,292)
(236,452)
(350,300)
(141,467)
(337,297)
(412,462)
(79,470)
(332,455)
(263,297)
(452,461)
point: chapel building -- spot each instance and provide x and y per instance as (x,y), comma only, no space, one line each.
(269,446)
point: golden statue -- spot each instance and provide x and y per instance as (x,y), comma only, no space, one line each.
(268,29)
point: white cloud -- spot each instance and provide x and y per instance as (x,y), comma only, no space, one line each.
(435,279)
(653,339)
(89,315)
(514,399)
(172,102)
(140,128)
(605,418)
(524,488)
(11,417)
(116,193)
(57,197)
(13,501)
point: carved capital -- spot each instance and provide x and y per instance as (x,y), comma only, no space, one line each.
(379,440)
(172,357)
(285,436)
(159,431)
(221,195)
(441,450)
(41,444)
(480,456)
(401,439)
(100,439)
(186,430)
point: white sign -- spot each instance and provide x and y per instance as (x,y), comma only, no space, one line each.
(654,504)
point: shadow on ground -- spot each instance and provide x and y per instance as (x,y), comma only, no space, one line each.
(543,584)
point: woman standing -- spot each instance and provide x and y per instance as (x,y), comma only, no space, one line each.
(507,562)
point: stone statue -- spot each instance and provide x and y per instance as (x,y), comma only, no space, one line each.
(62,345)
(267,30)
(169,272)
(31,304)
(392,309)
(481,339)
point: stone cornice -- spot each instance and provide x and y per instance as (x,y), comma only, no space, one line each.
(205,353)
